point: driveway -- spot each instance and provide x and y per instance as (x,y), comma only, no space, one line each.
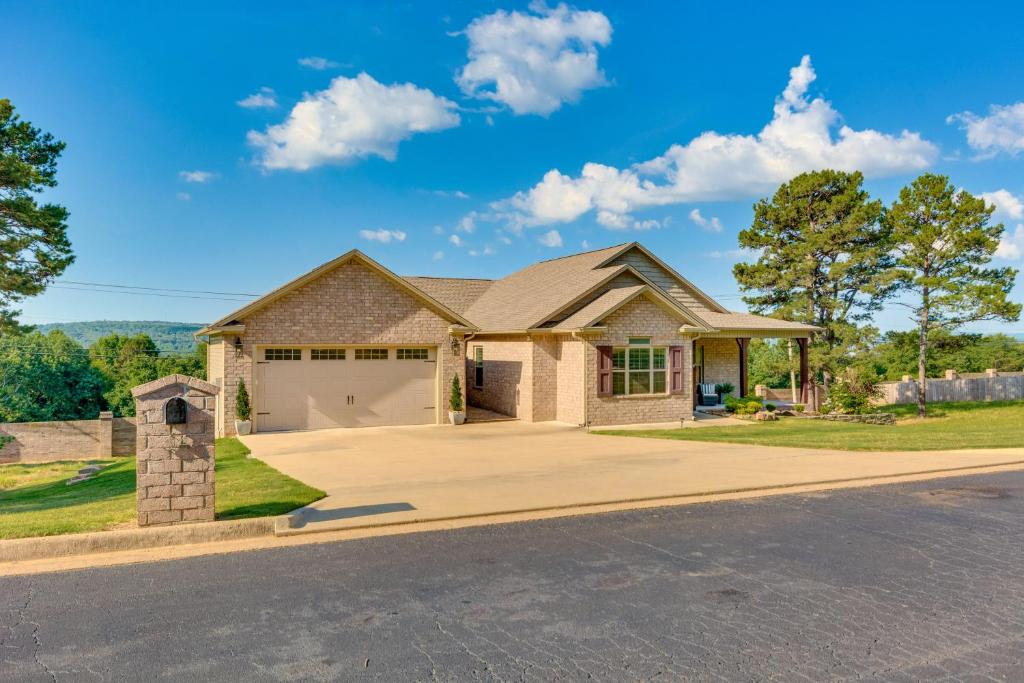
(388,475)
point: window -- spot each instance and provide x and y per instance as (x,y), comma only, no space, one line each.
(411,354)
(639,368)
(371,354)
(478,366)
(327,354)
(282,354)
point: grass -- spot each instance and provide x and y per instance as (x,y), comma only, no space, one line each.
(35,501)
(949,426)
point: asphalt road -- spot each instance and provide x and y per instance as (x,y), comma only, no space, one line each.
(896,583)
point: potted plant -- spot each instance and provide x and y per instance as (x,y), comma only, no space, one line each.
(456,412)
(724,389)
(243,412)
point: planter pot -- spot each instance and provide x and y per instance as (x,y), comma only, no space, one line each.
(457,417)
(243,427)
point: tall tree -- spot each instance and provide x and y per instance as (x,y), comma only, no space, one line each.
(943,243)
(34,246)
(821,251)
(47,377)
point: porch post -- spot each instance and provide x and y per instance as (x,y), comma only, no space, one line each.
(742,343)
(693,372)
(804,383)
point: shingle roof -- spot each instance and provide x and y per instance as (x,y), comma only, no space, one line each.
(748,321)
(529,296)
(599,307)
(457,294)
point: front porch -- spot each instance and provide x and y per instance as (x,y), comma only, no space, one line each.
(723,359)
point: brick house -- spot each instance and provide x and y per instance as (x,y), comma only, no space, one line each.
(610,336)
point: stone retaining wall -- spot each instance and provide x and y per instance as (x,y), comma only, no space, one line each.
(869,418)
(68,439)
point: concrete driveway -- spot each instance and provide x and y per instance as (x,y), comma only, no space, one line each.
(390,475)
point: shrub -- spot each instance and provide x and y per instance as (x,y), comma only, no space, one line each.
(455,399)
(242,409)
(725,388)
(799,407)
(770,407)
(853,392)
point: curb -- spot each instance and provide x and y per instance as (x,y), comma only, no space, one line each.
(292,524)
(131,539)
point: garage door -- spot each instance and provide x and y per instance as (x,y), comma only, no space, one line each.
(321,388)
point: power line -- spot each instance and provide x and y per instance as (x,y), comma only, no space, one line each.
(154,289)
(168,296)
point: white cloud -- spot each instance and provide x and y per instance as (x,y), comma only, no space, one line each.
(504,240)
(318,63)
(743,253)
(534,62)
(551,239)
(1006,204)
(1001,131)
(1011,246)
(184,196)
(467,223)
(714,166)
(585,244)
(713,225)
(456,240)
(266,98)
(352,119)
(197,176)
(438,255)
(382,235)
(454,194)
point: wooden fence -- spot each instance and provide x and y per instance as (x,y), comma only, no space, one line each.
(954,387)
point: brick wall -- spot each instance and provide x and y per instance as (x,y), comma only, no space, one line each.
(508,375)
(67,440)
(569,378)
(348,305)
(639,318)
(721,362)
(545,378)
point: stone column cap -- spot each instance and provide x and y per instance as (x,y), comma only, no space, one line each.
(193,382)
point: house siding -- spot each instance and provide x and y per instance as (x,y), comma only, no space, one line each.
(639,318)
(659,276)
(348,305)
(215,375)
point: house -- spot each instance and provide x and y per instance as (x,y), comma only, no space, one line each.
(610,336)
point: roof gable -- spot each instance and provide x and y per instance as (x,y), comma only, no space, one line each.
(352,256)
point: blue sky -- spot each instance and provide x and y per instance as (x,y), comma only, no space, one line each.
(485,136)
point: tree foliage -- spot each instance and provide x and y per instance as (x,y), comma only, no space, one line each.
(854,391)
(242,409)
(34,246)
(47,377)
(821,249)
(943,243)
(127,362)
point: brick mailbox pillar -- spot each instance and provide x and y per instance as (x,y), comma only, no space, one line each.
(174,451)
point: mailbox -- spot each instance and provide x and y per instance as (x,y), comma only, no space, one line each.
(176,411)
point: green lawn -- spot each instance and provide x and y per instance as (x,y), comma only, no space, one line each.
(999,424)
(35,501)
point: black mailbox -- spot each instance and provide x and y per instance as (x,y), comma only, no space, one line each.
(176,411)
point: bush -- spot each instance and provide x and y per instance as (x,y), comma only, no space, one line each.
(743,406)
(242,409)
(770,407)
(799,407)
(725,388)
(853,392)
(455,399)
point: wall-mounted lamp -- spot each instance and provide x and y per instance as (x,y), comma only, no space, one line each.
(237,343)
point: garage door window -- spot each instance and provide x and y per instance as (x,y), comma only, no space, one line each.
(282,354)
(371,354)
(412,354)
(327,354)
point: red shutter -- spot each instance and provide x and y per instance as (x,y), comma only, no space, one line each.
(675,369)
(604,371)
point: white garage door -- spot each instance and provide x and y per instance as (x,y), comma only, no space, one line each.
(320,388)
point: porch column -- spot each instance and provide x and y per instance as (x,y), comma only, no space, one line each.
(694,379)
(742,343)
(804,383)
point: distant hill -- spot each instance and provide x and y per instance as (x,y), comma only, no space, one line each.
(169,337)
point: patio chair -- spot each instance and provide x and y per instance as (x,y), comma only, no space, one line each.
(707,395)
